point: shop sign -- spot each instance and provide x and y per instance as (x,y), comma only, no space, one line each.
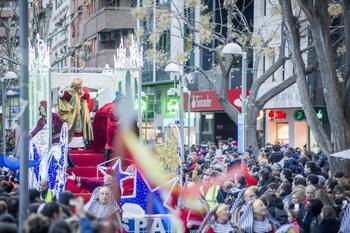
(321,114)
(260,115)
(276,115)
(172,105)
(299,115)
(207,101)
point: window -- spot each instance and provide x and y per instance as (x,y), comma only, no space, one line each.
(264,7)
(283,72)
(282,133)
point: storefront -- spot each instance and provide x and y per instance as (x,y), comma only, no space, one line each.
(215,125)
(285,121)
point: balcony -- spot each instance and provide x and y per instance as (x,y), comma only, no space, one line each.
(109,18)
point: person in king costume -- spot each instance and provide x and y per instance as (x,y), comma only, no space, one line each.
(74,108)
(56,123)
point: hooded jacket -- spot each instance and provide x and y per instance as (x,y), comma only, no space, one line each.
(277,211)
(328,226)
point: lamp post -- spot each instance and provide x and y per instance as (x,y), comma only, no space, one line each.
(174,69)
(233,49)
(188,119)
(24,119)
(7,77)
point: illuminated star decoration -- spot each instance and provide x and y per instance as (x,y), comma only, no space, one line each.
(143,192)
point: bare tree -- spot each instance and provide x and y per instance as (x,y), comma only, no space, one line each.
(239,28)
(319,21)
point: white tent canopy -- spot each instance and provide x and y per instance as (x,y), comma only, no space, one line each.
(345,154)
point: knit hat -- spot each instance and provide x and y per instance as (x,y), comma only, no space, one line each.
(43,103)
(276,147)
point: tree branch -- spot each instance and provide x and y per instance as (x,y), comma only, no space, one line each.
(260,102)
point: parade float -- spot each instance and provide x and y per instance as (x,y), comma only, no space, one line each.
(147,205)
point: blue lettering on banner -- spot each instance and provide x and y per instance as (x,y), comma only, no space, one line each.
(161,224)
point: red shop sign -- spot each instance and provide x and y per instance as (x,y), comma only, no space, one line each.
(207,101)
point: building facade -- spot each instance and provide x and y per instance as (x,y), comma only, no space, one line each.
(102,27)
(284,121)
(59,33)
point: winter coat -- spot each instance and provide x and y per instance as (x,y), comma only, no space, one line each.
(322,162)
(276,209)
(314,225)
(294,165)
(264,183)
(328,226)
(275,157)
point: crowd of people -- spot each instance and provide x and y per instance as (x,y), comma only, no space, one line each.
(281,189)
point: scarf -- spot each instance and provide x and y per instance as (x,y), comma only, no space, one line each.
(98,209)
(262,226)
(248,224)
(222,228)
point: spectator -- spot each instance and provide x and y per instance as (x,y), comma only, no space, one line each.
(294,219)
(328,222)
(51,210)
(64,201)
(299,181)
(321,160)
(12,206)
(284,192)
(287,175)
(276,208)
(310,192)
(46,194)
(330,184)
(60,226)
(34,196)
(272,187)
(276,155)
(37,223)
(312,179)
(264,180)
(310,220)
(3,208)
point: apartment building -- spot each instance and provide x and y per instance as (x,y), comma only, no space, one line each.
(58,32)
(103,24)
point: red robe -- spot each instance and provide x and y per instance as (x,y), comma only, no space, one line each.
(100,127)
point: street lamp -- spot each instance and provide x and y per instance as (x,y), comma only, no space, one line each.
(172,68)
(7,77)
(233,49)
